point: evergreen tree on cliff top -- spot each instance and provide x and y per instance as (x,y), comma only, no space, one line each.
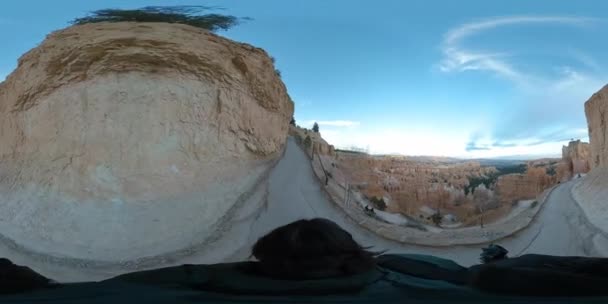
(183,14)
(315,127)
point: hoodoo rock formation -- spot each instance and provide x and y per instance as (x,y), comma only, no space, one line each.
(111,131)
(515,187)
(577,156)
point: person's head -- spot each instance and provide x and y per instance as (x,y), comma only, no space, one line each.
(308,249)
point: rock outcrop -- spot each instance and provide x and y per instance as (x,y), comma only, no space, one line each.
(514,187)
(314,145)
(577,156)
(122,140)
(591,192)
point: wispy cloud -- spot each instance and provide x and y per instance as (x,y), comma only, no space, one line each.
(585,59)
(460,58)
(457,34)
(549,106)
(473,146)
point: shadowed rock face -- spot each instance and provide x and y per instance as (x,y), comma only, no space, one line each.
(592,190)
(596,110)
(125,139)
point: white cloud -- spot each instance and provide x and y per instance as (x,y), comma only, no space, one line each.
(550,108)
(398,141)
(585,59)
(457,34)
(458,58)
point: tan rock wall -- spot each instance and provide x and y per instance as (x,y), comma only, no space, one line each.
(111,130)
(577,155)
(514,187)
(596,110)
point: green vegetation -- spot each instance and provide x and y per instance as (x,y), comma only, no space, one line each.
(522,168)
(436,218)
(307,141)
(551,171)
(490,179)
(378,203)
(315,127)
(292,121)
(183,14)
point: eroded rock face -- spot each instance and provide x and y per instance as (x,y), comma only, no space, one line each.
(591,192)
(414,183)
(317,144)
(577,156)
(515,187)
(121,140)
(596,110)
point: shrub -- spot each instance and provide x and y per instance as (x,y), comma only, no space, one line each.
(307,141)
(490,179)
(436,218)
(378,203)
(182,14)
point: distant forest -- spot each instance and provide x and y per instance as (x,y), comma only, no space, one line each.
(490,179)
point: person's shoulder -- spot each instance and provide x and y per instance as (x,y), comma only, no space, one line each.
(396,260)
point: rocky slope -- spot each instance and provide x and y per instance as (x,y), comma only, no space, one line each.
(114,131)
(317,144)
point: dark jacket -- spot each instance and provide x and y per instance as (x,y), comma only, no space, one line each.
(396,279)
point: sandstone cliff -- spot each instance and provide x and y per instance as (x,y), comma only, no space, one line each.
(591,192)
(596,109)
(515,187)
(111,130)
(317,144)
(577,156)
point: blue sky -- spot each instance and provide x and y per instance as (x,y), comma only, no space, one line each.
(450,78)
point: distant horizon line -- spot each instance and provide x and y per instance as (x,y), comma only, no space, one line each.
(515,157)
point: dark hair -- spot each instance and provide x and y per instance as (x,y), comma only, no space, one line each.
(308,249)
